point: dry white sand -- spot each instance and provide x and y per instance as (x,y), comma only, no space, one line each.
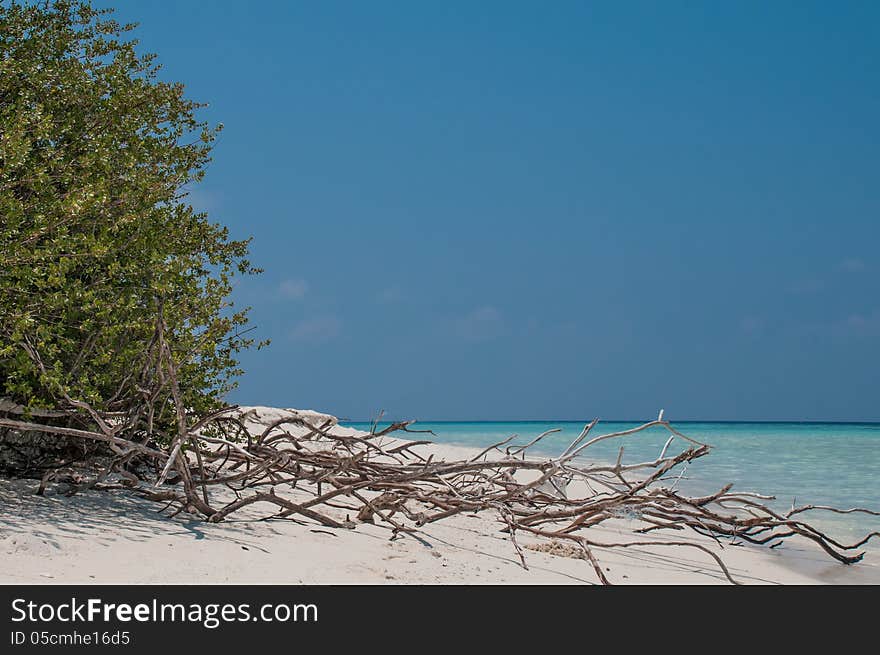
(116,538)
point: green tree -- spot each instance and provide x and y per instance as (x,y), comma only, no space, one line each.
(96,155)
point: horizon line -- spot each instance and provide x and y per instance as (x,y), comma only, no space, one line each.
(617,420)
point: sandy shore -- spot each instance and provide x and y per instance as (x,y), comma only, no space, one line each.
(117,538)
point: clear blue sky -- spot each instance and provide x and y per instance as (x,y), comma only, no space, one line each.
(547,210)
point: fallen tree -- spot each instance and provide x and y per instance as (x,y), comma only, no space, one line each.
(305,467)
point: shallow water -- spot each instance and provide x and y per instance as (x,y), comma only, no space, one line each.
(834,464)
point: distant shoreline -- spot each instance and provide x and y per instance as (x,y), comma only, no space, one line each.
(346,421)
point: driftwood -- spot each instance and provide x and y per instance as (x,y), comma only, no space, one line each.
(303,468)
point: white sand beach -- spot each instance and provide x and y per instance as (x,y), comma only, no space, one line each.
(114,537)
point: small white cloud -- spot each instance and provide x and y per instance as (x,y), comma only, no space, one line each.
(864,324)
(853,265)
(294,288)
(202,200)
(751,324)
(390,295)
(809,286)
(480,324)
(318,329)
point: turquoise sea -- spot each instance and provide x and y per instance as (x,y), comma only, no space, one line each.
(834,464)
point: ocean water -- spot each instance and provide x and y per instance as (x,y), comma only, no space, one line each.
(835,464)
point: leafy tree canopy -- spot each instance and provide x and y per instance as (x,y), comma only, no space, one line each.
(96,154)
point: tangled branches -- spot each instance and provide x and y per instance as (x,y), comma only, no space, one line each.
(306,467)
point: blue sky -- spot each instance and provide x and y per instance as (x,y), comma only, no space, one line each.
(521,210)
